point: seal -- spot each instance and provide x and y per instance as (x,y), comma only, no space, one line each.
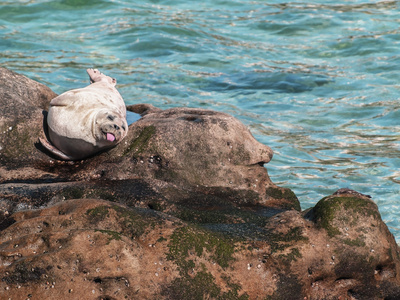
(83,122)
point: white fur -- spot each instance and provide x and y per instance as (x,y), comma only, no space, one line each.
(79,119)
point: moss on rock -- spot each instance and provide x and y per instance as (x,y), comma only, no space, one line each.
(192,239)
(201,286)
(113,235)
(354,243)
(331,213)
(132,223)
(97,214)
(139,144)
(72,192)
(280,242)
(196,282)
(288,258)
(289,198)
(19,141)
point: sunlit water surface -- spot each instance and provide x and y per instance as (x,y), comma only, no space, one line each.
(317,81)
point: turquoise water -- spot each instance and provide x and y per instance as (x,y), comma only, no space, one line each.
(316,81)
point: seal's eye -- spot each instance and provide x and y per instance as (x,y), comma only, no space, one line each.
(123,127)
(110,117)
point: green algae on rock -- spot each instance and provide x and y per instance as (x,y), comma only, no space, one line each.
(286,198)
(187,238)
(336,213)
(139,144)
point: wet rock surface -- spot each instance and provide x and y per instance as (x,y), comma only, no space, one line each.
(182,208)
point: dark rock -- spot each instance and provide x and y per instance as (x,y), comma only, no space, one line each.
(22,102)
(190,213)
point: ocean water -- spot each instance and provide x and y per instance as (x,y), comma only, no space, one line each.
(317,81)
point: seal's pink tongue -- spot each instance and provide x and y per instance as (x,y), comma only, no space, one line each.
(110,137)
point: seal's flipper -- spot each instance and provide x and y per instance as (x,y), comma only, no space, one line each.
(96,76)
(54,150)
(64,99)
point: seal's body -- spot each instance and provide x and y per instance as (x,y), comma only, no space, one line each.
(85,121)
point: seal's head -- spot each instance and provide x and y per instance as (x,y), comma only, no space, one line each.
(109,128)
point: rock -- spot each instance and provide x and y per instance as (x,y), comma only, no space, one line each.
(103,250)
(360,245)
(22,102)
(183,208)
(205,148)
(179,152)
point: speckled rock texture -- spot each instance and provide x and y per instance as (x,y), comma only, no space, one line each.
(95,249)
(183,208)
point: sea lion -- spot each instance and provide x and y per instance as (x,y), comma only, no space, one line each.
(84,121)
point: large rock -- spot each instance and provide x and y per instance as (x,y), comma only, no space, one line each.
(94,249)
(22,102)
(179,153)
(190,213)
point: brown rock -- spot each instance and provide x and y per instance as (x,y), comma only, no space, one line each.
(94,249)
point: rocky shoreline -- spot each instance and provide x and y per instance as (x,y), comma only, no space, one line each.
(182,208)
